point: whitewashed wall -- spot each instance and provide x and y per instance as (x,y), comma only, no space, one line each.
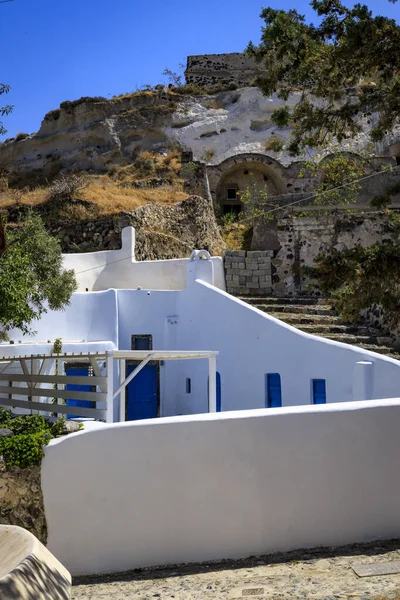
(202,317)
(223,486)
(252,344)
(118,269)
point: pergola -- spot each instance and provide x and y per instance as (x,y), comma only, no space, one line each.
(146,356)
(33,368)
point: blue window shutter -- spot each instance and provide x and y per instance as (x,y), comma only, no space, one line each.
(274,390)
(319,391)
(219,402)
(219,391)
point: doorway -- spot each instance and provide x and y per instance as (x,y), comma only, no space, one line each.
(143,392)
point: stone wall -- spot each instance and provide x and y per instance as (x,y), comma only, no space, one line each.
(248,273)
(162,231)
(21,500)
(208,70)
(302,239)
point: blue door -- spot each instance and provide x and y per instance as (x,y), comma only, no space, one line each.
(319,391)
(81,372)
(143,394)
(273,391)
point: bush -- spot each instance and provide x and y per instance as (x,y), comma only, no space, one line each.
(21,136)
(83,100)
(31,433)
(24,450)
(145,163)
(66,185)
(275,144)
(53,115)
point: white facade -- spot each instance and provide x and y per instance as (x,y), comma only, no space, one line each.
(205,487)
(197,315)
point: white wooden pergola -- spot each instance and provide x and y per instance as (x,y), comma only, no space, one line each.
(146,356)
(30,394)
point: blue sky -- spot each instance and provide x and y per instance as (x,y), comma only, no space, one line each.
(56,50)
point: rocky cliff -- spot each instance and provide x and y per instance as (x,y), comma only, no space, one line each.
(96,133)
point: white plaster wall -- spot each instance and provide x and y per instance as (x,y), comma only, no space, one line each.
(222,486)
(252,344)
(96,271)
(143,313)
(88,318)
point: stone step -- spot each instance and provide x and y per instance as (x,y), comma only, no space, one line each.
(379,349)
(304,301)
(358,340)
(300,319)
(319,309)
(315,329)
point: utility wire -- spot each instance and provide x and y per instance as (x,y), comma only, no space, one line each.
(243,220)
(339,187)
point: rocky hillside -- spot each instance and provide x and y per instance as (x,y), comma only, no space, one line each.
(96,134)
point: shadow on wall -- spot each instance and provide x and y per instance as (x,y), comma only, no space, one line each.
(34,580)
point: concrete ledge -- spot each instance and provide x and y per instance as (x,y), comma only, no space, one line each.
(28,570)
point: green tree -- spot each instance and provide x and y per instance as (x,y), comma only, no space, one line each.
(32,278)
(358,278)
(344,68)
(4,110)
(338,177)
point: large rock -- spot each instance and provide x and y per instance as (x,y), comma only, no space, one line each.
(28,570)
(164,232)
(6,432)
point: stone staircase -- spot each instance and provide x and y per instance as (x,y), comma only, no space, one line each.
(318,318)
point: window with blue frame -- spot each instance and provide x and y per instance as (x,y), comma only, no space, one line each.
(273,390)
(319,391)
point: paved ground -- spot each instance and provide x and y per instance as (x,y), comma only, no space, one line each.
(321,574)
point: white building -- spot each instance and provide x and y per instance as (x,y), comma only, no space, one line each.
(181,305)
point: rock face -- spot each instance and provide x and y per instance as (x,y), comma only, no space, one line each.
(89,134)
(96,134)
(162,232)
(21,500)
(171,231)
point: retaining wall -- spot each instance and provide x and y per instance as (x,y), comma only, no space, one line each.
(248,272)
(232,485)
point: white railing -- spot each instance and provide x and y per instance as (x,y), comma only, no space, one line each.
(24,388)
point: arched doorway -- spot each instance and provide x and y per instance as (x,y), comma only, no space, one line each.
(394,150)
(251,176)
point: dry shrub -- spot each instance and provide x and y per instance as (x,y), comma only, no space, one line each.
(66,185)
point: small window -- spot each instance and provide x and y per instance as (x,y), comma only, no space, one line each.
(142,342)
(273,390)
(319,391)
(231,193)
(245,172)
(188,385)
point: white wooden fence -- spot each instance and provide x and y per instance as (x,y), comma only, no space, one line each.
(22,379)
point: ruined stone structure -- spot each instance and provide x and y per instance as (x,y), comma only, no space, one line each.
(209,70)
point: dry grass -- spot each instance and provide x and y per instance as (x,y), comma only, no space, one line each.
(106,197)
(112,198)
(112,193)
